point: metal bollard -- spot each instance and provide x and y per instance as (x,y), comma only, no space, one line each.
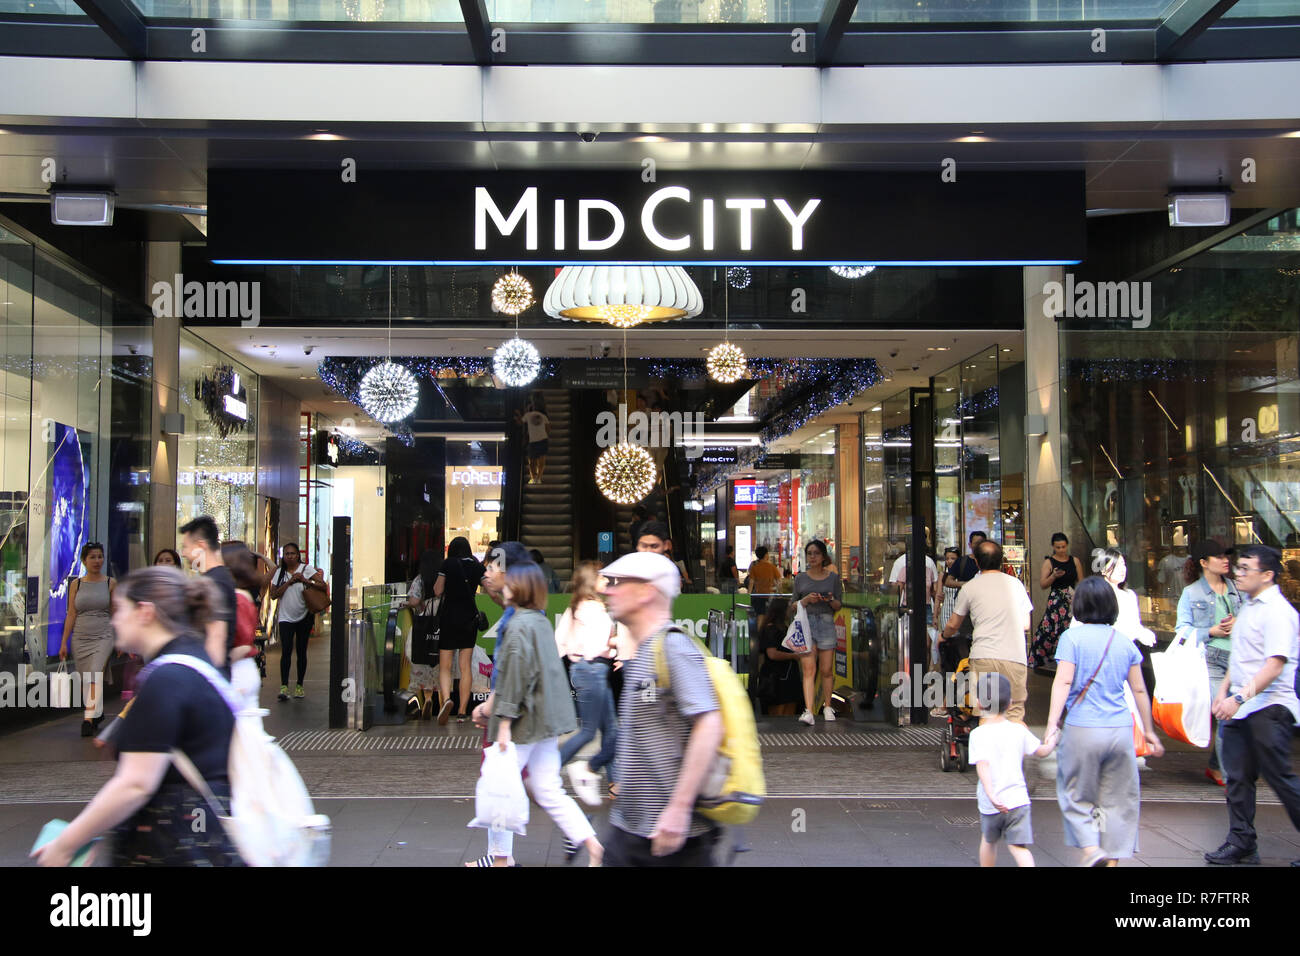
(358,632)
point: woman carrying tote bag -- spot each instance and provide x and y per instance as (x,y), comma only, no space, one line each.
(1097,773)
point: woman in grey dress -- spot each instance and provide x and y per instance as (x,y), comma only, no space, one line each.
(90,628)
(819,591)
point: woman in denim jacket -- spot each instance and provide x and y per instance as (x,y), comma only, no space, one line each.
(1208,607)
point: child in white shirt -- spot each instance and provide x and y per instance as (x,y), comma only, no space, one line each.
(997,749)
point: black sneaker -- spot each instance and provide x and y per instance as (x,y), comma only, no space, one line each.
(87,729)
(1228,855)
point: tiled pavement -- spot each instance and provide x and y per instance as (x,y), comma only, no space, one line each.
(842,794)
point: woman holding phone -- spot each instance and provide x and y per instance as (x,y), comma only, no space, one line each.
(820,592)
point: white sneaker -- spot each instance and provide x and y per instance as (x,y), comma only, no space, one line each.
(828,713)
(807,718)
(585,783)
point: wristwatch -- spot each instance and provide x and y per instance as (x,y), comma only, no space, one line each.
(1239,699)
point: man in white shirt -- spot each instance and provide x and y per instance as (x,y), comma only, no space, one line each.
(999,608)
(1257,703)
(900,584)
(539,440)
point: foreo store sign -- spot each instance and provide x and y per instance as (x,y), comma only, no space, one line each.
(708,217)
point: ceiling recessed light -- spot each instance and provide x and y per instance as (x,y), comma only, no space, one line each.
(1005,350)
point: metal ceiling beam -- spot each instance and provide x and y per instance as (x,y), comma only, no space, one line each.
(479,27)
(835,18)
(121,23)
(1185,22)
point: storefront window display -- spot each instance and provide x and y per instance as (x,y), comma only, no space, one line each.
(1190,428)
(216,469)
(74,383)
(473,499)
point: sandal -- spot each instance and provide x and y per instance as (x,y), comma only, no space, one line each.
(485,860)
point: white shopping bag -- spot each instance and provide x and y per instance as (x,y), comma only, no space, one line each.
(1181,705)
(482,664)
(61,687)
(500,802)
(798,638)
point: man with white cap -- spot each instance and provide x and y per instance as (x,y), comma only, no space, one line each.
(668,735)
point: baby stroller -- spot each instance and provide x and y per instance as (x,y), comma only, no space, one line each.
(961,718)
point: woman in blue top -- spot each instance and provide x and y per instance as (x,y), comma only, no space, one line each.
(1096,772)
(1207,608)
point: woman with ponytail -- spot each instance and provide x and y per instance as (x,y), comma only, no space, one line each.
(147,807)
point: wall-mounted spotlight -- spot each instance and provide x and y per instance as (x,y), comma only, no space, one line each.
(1205,208)
(81,206)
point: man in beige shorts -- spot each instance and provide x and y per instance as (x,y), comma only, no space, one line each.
(999,609)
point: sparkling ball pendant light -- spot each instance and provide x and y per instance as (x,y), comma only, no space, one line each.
(516,362)
(623,296)
(739,277)
(389,391)
(726,362)
(625,473)
(512,294)
(852,272)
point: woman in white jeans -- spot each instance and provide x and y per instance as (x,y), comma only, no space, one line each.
(531,707)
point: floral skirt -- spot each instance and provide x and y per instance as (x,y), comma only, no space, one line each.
(1051,627)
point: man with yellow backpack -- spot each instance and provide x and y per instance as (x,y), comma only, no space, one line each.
(687,746)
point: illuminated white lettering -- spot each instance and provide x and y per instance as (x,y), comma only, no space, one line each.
(648,213)
(745,208)
(525,209)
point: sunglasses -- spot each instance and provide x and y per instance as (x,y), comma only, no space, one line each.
(613,582)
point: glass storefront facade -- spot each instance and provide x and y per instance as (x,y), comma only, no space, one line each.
(76,389)
(1190,428)
(216,458)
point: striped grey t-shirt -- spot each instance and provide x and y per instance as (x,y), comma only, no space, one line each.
(654,727)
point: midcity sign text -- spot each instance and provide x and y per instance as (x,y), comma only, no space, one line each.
(689,217)
(743,208)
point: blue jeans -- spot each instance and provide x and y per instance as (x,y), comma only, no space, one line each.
(1216,661)
(596,711)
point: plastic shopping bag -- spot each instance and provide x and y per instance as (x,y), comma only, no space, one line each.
(482,673)
(61,687)
(1140,747)
(1181,705)
(500,802)
(798,638)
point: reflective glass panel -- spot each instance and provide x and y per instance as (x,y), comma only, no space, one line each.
(303,11)
(1007,11)
(650,11)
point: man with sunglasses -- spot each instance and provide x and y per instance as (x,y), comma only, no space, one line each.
(1257,703)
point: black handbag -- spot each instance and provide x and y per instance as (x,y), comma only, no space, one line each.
(425,631)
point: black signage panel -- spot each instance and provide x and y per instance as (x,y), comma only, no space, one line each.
(706,217)
(602,373)
(782,462)
(718,456)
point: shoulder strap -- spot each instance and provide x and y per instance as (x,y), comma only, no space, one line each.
(661,661)
(219,683)
(179,758)
(1084,693)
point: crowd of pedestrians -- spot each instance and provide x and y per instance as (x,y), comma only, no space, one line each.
(642,689)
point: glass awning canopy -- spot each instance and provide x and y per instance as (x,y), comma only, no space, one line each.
(656,32)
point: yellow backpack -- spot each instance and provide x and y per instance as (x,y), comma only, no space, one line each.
(734,788)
